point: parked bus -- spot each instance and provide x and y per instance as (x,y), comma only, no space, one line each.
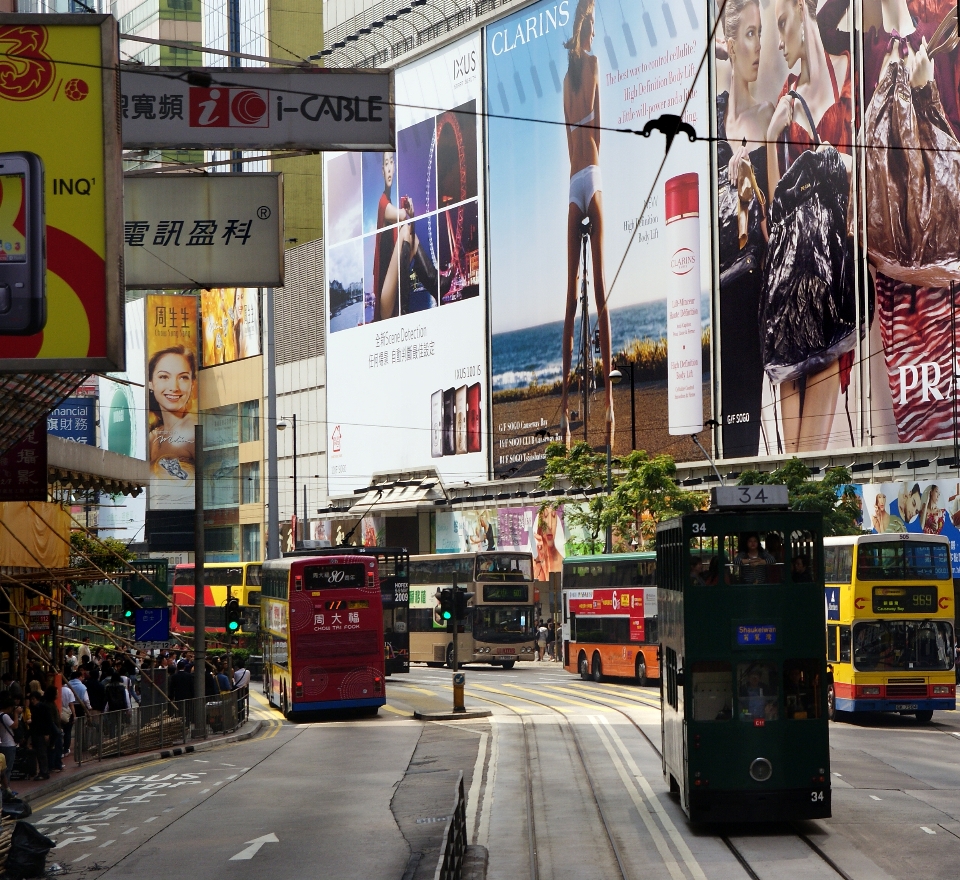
(393,567)
(890,624)
(744,683)
(610,616)
(222,580)
(321,633)
(499,628)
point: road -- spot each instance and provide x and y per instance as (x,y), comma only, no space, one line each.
(563,781)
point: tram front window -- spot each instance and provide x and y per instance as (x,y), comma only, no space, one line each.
(758,691)
(903,645)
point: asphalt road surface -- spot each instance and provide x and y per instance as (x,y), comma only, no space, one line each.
(563,781)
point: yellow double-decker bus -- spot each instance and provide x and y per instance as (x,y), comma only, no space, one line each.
(222,580)
(890,624)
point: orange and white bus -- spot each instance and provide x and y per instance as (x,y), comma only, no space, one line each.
(610,616)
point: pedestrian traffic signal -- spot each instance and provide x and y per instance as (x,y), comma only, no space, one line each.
(460,601)
(233,615)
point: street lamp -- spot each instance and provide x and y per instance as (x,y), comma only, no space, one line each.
(282,426)
(616,377)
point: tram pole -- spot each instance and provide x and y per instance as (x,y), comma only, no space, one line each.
(199,608)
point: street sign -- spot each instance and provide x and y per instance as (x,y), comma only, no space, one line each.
(257,108)
(152,624)
(203,230)
(39,619)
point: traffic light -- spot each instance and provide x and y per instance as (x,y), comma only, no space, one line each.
(233,615)
(460,602)
(445,601)
(129,605)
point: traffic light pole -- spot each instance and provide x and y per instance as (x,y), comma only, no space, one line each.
(199,609)
(459,679)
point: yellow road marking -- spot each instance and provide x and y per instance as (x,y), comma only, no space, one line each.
(539,694)
(590,706)
(419,690)
(390,708)
(606,697)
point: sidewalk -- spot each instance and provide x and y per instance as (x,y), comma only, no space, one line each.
(72,773)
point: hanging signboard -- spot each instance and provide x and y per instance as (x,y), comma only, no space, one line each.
(203,230)
(257,109)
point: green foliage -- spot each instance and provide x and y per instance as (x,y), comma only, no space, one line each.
(101,552)
(833,496)
(583,469)
(237,653)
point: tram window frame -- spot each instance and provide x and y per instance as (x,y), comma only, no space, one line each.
(773,574)
(706,548)
(809,670)
(672,690)
(710,680)
(770,677)
(803,542)
(833,643)
(846,643)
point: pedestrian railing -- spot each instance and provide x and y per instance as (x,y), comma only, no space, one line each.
(156,725)
(454,844)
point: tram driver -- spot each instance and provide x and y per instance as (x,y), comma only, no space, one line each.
(758,692)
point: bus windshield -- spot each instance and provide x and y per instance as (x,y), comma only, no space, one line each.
(503,623)
(902,560)
(505,567)
(903,645)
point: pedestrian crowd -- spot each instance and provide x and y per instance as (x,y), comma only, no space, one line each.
(37,719)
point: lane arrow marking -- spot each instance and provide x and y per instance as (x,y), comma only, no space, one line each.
(253,847)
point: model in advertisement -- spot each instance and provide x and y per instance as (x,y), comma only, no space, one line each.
(548,557)
(742,123)
(171,378)
(809,326)
(581,112)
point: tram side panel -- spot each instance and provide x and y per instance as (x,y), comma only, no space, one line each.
(672,721)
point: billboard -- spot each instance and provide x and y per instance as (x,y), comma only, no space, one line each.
(405,262)
(561,77)
(123,430)
(172,391)
(75,419)
(203,230)
(257,109)
(230,324)
(61,266)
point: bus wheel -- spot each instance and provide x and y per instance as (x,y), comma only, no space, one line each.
(641,672)
(508,664)
(924,716)
(597,669)
(584,669)
(831,703)
(450,656)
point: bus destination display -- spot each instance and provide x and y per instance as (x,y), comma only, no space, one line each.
(334,577)
(519,594)
(904,600)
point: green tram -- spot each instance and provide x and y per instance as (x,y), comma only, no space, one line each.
(743,665)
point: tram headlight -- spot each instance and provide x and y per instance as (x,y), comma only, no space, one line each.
(761,770)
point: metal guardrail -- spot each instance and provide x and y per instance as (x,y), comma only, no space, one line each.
(454,847)
(99,735)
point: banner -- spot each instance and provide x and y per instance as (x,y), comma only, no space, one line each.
(172,391)
(23,467)
(230,318)
(75,419)
(61,263)
(623,602)
(406,289)
(566,189)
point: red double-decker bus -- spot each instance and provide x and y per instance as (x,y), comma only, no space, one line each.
(321,630)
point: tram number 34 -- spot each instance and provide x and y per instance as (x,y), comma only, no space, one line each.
(816,796)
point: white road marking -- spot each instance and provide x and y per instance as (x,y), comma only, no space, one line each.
(928,830)
(201,760)
(234,776)
(130,830)
(474,794)
(254,847)
(838,774)
(218,783)
(81,858)
(151,819)
(873,797)
(105,845)
(205,791)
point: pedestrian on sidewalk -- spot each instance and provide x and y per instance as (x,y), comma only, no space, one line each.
(68,714)
(541,639)
(41,734)
(10,721)
(84,652)
(11,685)
(55,746)
(241,683)
(551,640)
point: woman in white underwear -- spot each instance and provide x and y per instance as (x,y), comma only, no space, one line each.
(581,110)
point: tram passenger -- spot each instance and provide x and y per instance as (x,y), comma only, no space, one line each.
(801,569)
(750,563)
(798,695)
(713,572)
(696,571)
(758,692)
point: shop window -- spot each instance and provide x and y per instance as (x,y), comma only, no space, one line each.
(758,687)
(801,689)
(249,421)
(250,482)
(712,684)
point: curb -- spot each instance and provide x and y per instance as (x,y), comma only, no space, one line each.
(96,768)
(452,716)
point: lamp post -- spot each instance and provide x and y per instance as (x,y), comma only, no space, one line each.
(282,426)
(616,377)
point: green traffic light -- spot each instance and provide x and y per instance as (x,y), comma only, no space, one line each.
(447,615)
(128,614)
(233,626)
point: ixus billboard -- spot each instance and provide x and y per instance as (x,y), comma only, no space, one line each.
(61,209)
(257,108)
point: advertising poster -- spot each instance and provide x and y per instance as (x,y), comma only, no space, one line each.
(406,291)
(123,430)
(622,603)
(788,315)
(172,390)
(585,68)
(75,419)
(61,211)
(230,321)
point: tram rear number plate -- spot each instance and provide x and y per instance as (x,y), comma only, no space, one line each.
(905,707)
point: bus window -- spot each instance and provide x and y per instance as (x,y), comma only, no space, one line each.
(253,575)
(801,689)
(757,687)
(903,645)
(901,560)
(712,691)
(830,565)
(832,634)
(844,644)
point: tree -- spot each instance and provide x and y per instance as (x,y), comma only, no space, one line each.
(647,493)
(101,552)
(833,496)
(584,470)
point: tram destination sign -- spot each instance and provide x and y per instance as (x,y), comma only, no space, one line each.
(518,594)
(256,108)
(904,600)
(334,577)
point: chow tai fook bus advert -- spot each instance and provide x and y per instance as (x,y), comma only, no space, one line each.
(611,603)
(61,211)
